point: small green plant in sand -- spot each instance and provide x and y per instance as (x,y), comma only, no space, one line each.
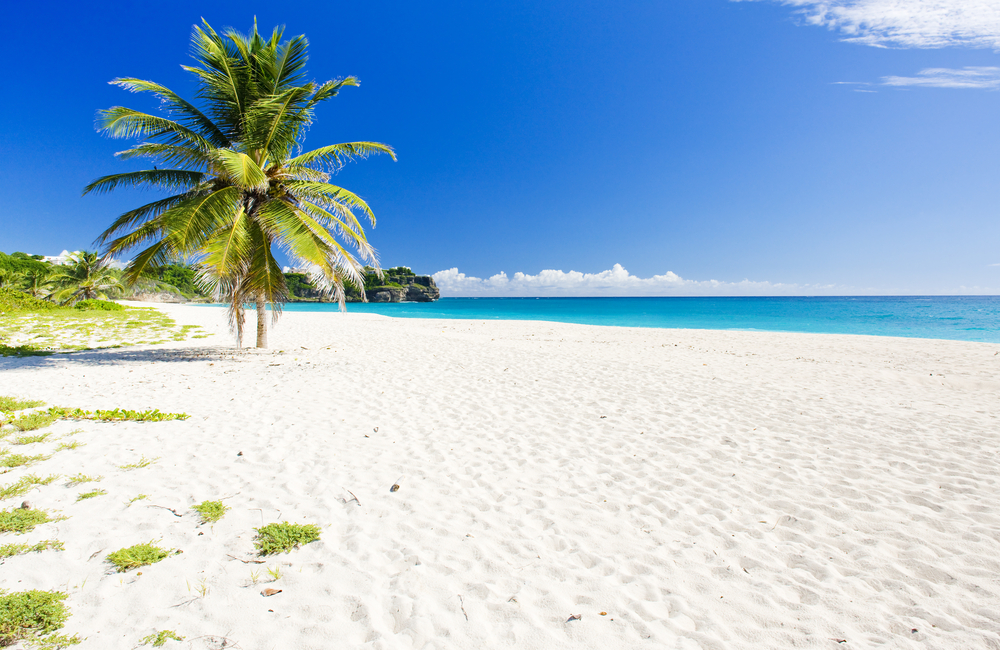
(136,498)
(136,556)
(23,485)
(91,494)
(20,520)
(34,616)
(158,639)
(22,351)
(19,460)
(9,404)
(32,439)
(34,421)
(210,511)
(283,537)
(275,573)
(254,576)
(10,550)
(139,464)
(65,446)
(82,478)
(116,415)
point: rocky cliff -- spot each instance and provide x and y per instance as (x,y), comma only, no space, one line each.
(413,288)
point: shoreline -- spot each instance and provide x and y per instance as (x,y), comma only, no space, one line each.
(704,488)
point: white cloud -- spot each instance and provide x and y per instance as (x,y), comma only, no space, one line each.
(907,23)
(968,77)
(614,282)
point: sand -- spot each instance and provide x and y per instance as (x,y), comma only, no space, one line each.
(560,486)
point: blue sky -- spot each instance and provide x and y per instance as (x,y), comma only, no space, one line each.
(705,146)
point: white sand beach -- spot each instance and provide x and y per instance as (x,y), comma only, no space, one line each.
(560,486)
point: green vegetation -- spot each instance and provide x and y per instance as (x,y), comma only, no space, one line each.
(33,615)
(10,550)
(82,478)
(85,276)
(157,639)
(32,439)
(18,460)
(63,446)
(283,537)
(20,520)
(139,464)
(23,485)
(241,190)
(9,404)
(136,556)
(210,511)
(139,497)
(116,415)
(91,494)
(34,421)
(12,301)
(99,305)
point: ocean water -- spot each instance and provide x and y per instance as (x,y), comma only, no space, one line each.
(960,318)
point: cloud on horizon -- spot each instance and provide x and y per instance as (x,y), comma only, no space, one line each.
(984,77)
(906,23)
(614,282)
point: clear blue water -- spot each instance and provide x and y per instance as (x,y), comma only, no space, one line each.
(961,318)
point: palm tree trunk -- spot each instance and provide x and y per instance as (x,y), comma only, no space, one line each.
(261,322)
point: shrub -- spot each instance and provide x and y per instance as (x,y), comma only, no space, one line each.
(98,305)
(136,556)
(19,520)
(210,511)
(282,538)
(12,300)
(27,614)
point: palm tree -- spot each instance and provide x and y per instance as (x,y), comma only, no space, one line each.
(37,282)
(10,279)
(85,276)
(242,187)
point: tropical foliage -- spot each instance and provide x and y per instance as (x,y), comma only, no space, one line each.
(86,276)
(241,189)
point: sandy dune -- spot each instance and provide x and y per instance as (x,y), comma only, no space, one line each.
(705,489)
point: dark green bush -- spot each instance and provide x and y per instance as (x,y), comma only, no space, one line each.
(99,305)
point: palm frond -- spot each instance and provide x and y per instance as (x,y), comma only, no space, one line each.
(334,156)
(168,179)
(177,104)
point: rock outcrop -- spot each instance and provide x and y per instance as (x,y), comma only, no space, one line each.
(412,288)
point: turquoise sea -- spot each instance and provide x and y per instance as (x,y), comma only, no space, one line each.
(960,318)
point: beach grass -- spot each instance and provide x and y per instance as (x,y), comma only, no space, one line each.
(210,511)
(34,615)
(46,331)
(115,415)
(24,485)
(136,556)
(10,550)
(77,479)
(34,421)
(139,464)
(91,494)
(20,520)
(159,638)
(10,404)
(11,461)
(283,537)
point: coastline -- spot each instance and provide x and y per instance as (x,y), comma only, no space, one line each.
(705,488)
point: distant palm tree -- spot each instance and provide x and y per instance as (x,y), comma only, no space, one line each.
(37,282)
(85,276)
(242,187)
(10,279)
